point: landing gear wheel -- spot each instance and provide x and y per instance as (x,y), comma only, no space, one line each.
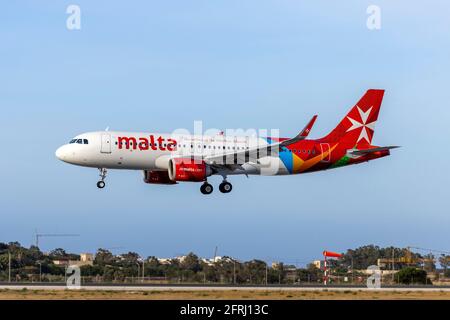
(225,187)
(101,184)
(206,188)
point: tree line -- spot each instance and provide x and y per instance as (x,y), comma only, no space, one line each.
(25,264)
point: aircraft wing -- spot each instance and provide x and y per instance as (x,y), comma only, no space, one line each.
(252,155)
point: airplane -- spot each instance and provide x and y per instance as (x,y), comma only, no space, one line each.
(172,158)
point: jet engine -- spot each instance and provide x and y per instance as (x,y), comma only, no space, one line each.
(188,169)
(157,177)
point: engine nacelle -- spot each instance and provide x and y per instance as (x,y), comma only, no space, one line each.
(157,177)
(188,169)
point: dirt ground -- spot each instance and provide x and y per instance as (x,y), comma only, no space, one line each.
(217,294)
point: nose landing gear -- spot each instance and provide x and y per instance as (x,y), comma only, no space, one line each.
(101,184)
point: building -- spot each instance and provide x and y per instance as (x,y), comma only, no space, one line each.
(277,265)
(61,261)
(181,259)
(164,260)
(214,260)
(86,259)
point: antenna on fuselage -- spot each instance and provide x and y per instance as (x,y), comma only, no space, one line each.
(107,128)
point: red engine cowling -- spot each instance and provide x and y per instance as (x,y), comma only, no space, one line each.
(157,177)
(188,169)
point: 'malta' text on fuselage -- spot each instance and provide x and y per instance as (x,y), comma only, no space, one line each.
(143,143)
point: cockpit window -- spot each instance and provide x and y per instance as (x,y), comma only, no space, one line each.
(79,141)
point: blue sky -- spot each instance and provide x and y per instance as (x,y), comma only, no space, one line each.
(161,65)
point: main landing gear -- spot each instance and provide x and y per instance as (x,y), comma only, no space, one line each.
(224,187)
(101,184)
(206,188)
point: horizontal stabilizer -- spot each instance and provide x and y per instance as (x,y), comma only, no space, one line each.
(367,151)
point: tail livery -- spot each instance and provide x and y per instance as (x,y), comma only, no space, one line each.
(357,128)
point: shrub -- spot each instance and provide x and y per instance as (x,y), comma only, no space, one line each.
(412,275)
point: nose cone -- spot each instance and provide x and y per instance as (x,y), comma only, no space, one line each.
(61,153)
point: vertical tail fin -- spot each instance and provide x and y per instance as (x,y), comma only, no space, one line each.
(357,127)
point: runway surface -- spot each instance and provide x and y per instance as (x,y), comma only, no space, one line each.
(152,287)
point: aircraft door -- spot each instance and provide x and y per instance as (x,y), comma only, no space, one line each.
(106,143)
(326,152)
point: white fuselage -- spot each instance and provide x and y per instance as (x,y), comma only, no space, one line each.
(152,151)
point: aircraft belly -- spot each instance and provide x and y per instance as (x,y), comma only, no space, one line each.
(139,159)
(125,159)
(272,166)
